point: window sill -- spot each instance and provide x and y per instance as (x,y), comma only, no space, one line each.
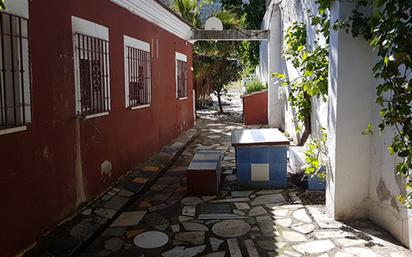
(183,98)
(139,107)
(13,130)
(92,116)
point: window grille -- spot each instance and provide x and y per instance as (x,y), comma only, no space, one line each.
(93,61)
(139,76)
(181,70)
(15,77)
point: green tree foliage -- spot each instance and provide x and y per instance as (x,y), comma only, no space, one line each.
(251,16)
(252,13)
(215,63)
(2,5)
(190,10)
(226,72)
(389,31)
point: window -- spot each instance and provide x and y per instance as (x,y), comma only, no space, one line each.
(15,96)
(137,73)
(93,71)
(91,54)
(181,76)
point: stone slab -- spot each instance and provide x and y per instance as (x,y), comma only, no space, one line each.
(314,247)
(127,219)
(215,208)
(151,239)
(234,249)
(268,199)
(231,228)
(195,238)
(251,248)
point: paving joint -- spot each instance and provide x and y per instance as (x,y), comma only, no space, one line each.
(135,197)
(45,245)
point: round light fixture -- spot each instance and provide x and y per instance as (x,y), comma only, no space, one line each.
(213,23)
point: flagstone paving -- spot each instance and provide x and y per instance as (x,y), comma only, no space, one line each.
(167,222)
(71,236)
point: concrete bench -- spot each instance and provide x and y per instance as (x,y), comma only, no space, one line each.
(203,173)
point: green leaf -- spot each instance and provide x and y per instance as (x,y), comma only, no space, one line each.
(279,75)
(386,61)
(368,130)
(308,73)
(391,150)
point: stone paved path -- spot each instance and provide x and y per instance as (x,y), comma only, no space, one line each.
(167,222)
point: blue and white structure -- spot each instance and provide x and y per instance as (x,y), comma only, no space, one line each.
(261,158)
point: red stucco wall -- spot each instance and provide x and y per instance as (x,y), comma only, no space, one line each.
(255,108)
(37,178)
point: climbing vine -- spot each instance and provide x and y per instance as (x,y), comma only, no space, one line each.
(311,64)
(312,67)
(315,156)
(389,31)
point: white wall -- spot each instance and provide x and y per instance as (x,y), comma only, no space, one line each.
(262,68)
(361,178)
(272,22)
(349,113)
(290,11)
(385,186)
(362,181)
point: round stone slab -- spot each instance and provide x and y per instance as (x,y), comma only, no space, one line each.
(151,239)
(191,200)
(231,228)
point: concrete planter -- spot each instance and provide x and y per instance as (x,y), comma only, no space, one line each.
(255,108)
(315,184)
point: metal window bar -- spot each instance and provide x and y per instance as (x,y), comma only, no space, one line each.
(94,74)
(139,78)
(181,79)
(15,72)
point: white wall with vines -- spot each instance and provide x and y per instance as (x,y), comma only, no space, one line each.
(301,10)
(369,187)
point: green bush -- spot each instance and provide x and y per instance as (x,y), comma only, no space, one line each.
(255,86)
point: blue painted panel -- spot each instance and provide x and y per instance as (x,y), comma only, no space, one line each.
(259,155)
(275,156)
(278,154)
(243,154)
(243,172)
(315,184)
(278,172)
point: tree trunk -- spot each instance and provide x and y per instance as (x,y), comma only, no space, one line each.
(307,132)
(308,127)
(219,101)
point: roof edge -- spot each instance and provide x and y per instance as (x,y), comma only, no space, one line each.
(156,12)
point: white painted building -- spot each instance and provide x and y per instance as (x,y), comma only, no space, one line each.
(361,178)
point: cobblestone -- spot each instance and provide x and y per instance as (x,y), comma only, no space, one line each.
(233,223)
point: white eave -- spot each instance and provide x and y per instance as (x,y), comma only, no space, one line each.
(155,13)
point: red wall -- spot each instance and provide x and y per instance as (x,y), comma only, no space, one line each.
(38,178)
(255,108)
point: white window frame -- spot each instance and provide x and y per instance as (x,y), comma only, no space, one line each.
(141,45)
(91,29)
(21,8)
(183,58)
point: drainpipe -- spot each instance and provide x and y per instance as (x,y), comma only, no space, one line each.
(275,118)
